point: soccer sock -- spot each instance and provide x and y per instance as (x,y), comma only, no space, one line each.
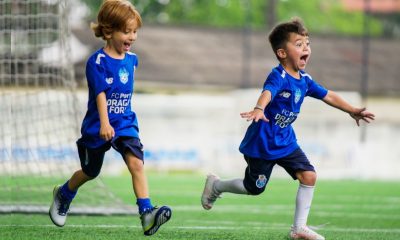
(66,192)
(143,204)
(232,186)
(303,204)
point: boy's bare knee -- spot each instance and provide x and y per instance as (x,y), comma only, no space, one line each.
(134,164)
(307,177)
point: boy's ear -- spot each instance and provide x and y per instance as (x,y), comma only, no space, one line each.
(107,36)
(281,53)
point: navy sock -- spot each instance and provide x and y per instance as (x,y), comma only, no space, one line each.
(66,192)
(143,204)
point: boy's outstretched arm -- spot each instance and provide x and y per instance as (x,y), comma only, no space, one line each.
(106,130)
(258,112)
(334,100)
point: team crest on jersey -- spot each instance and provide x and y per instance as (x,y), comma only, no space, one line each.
(109,80)
(261,181)
(285,94)
(123,75)
(297,95)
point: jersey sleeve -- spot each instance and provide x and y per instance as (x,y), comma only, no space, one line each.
(96,77)
(315,90)
(273,83)
(135,62)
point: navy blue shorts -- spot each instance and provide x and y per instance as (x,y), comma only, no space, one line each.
(92,158)
(258,171)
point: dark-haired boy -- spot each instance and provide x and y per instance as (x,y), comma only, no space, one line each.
(272,140)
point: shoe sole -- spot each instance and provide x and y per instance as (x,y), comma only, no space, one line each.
(162,216)
(209,181)
(300,236)
(52,205)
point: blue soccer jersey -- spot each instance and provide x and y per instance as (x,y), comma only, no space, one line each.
(115,77)
(276,138)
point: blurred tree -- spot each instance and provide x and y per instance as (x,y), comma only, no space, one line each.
(327,17)
(391,24)
(320,16)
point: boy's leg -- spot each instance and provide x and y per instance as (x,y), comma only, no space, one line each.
(304,197)
(63,196)
(151,217)
(91,162)
(139,180)
(214,187)
(77,179)
(233,186)
(299,167)
(256,177)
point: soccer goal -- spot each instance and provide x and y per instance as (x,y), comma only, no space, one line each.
(40,116)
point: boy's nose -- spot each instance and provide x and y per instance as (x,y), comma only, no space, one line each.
(133,36)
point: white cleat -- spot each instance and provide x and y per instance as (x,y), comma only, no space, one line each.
(59,208)
(304,233)
(154,218)
(209,195)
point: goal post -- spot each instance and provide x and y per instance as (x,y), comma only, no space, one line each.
(40,114)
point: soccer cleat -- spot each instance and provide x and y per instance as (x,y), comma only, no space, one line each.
(305,233)
(209,195)
(153,218)
(59,208)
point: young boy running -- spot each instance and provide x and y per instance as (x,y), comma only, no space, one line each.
(270,138)
(109,120)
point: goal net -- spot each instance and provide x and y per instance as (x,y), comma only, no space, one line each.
(40,116)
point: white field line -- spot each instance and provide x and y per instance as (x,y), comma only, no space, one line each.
(335,207)
(385,202)
(283,210)
(352,199)
(236,227)
(340,199)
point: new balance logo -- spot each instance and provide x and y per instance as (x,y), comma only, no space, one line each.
(109,80)
(285,94)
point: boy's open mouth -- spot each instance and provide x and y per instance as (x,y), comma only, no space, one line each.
(304,58)
(127,45)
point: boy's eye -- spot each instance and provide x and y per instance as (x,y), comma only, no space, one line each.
(130,31)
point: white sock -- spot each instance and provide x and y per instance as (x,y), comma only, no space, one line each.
(232,186)
(303,204)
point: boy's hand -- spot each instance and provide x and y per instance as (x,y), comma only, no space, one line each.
(255,115)
(106,132)
(362,114)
